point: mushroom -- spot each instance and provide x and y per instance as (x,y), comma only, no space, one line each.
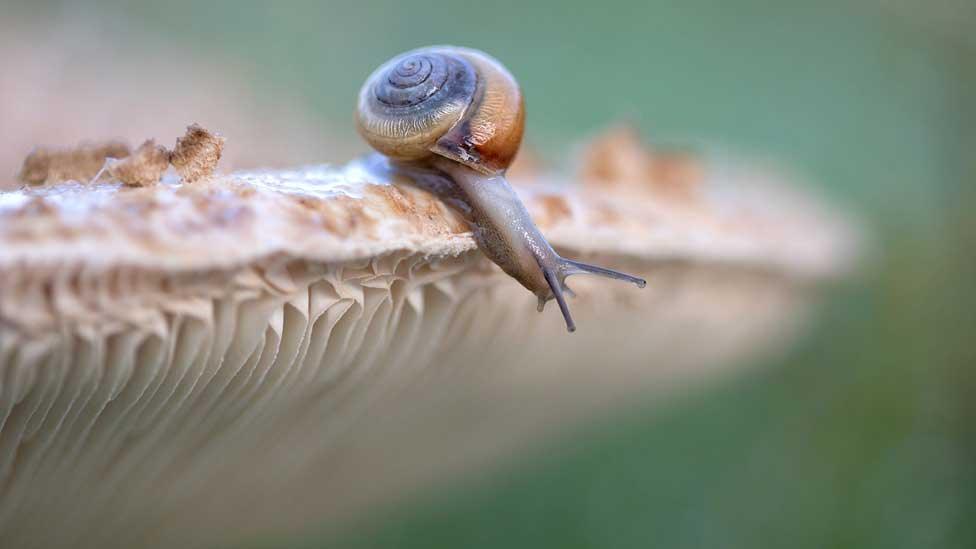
(199,364)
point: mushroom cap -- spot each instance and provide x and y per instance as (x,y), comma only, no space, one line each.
(359,212)
(198,364)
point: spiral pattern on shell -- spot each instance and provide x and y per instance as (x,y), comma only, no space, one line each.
(413,99)
(442,100)
(412,81)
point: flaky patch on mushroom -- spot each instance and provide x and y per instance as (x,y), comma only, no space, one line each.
(81,163)
(206,364)
(618,157)
(197,153)
(145,166)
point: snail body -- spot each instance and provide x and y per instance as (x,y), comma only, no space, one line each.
(451,119)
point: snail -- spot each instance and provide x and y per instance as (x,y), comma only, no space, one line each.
(451,120)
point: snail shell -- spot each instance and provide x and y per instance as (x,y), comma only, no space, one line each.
(453,102)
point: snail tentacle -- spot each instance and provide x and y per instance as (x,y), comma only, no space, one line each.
(576,267)
(557,292)
(557,268)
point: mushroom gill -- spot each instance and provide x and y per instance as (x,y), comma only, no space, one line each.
(190,364)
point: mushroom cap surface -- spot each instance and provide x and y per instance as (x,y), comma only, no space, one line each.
(199,364)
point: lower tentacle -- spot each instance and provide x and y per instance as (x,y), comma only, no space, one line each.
(556,284)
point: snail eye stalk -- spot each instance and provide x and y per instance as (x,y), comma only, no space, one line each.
(576,267)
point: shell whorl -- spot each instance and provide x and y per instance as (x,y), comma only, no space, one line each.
(453,102)
(413,80)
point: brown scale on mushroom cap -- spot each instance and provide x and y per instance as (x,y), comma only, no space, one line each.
(81,163)
(145,166)
(197,153)
(618,157)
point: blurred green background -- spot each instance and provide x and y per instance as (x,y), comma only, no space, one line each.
(863,436)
